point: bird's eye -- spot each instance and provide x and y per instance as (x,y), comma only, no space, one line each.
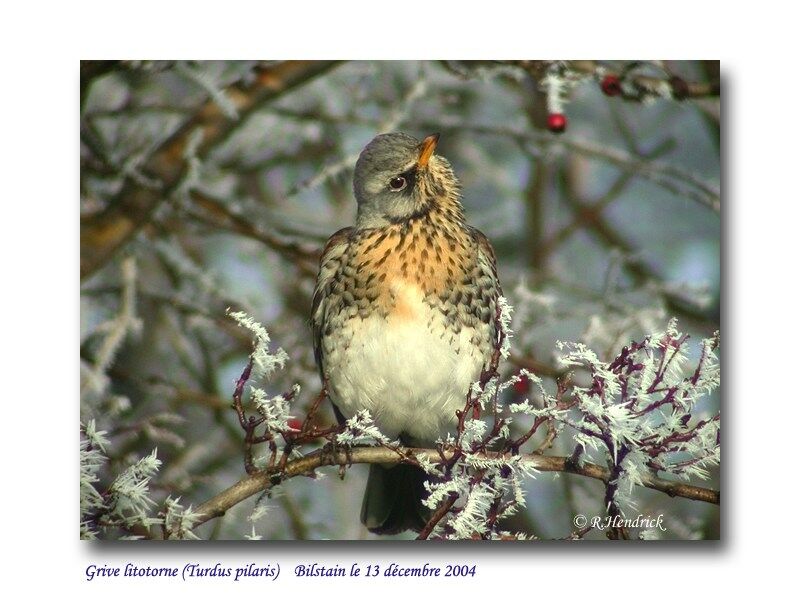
(397,183)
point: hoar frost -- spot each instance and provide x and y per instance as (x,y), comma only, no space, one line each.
(639,407)
(264,362)
(127,502)
(636,413)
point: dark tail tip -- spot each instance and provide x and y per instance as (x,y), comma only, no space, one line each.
(393,500)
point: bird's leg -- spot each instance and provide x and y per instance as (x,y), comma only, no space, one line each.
(332,449)
(573,462)
(348,456)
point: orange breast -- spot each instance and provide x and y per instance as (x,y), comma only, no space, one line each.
(409,261)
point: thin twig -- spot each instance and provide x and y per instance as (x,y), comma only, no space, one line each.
(437,516)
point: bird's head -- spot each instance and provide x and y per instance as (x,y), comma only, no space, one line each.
(398,178)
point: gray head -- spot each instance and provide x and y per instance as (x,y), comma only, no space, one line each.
(398,177)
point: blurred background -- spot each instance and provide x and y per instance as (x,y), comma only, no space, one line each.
(214,185)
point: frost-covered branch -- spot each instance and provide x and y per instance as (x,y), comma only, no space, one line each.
(638,411)
(126,502)
(263,480)
(217,213)
(634,81)
(104,233)
(114,332)
(125,505)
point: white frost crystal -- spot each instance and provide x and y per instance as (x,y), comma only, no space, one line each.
(264,362)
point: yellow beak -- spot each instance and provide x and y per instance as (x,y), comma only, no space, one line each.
(427,147)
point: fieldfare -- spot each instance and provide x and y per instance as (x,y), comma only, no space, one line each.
(404,313)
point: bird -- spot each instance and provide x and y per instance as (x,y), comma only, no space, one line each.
(404,313)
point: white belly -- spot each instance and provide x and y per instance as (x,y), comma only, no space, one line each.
(406,369)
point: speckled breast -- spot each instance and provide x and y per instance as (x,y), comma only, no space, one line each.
(409,325)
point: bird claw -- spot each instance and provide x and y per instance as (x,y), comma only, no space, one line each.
(332,450)
(573,462)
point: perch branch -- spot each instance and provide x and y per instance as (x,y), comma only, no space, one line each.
(262,480)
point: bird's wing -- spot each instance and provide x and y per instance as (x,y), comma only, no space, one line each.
(329,266)
(486,256)
(488,280)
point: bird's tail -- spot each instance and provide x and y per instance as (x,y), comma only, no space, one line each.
(393,499)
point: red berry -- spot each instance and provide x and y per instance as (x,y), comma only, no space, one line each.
(611,85)
(295,424)
(556,122)
(523,385)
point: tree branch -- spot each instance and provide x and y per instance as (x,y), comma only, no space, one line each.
(678,88)
(102,235)
(263,480)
